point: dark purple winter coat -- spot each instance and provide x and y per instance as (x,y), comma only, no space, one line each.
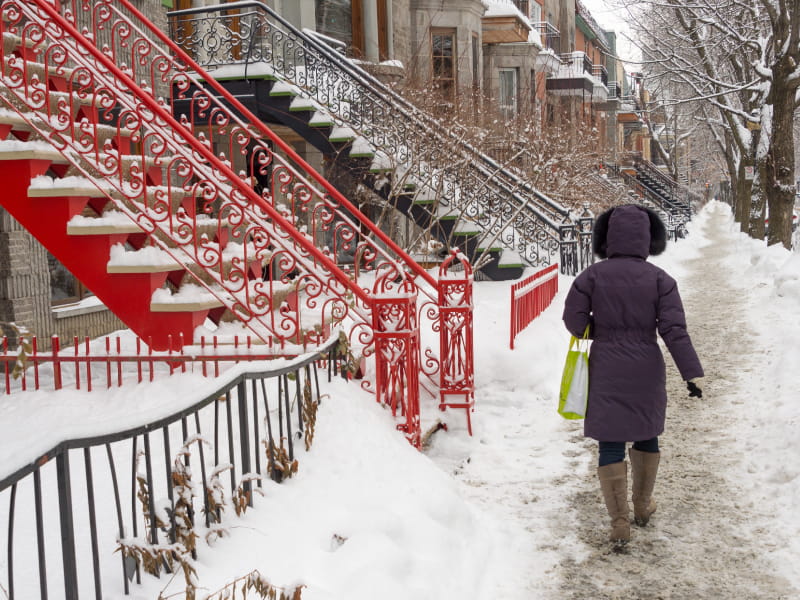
(625,300)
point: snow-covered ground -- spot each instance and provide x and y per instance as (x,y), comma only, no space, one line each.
(514,511)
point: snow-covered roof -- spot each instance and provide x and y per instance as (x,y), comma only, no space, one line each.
(502,8)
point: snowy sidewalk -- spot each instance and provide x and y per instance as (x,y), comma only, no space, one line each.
(725,526)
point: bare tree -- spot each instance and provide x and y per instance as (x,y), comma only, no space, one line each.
(741,57)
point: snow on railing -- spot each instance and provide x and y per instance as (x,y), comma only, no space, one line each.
(530,297)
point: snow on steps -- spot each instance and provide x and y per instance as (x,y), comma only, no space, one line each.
(422,190)
(422,193)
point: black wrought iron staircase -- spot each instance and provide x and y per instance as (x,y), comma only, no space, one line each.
(650,186)
(405,155)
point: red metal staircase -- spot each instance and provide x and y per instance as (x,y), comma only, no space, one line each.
(173,220)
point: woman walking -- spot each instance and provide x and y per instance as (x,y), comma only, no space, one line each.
(625,300)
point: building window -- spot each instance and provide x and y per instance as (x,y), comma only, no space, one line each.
(536,12)
(508,93)
(523,6)
(342,20)
(64,287)
(443,63)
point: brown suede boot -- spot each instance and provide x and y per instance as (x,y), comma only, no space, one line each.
(614,484)
(644,468)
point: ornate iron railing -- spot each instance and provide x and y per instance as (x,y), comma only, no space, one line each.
(92,78)
(673,213)
(676,196)
(83,508)
(457,389)
(467,181)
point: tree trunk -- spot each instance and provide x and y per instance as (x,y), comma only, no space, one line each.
(779,184)
(758,204)
(742,190)
(743,197)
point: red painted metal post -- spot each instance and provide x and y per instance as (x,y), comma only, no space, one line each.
(396,330)
(35,348)
(88,365)
(7,366)
(456,350)
(56,363)
(75,345)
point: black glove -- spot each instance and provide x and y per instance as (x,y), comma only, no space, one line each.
(694,391)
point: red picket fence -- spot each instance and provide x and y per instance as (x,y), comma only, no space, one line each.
(530,297)
(84,365)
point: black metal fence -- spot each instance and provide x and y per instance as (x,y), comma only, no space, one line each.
(92,514)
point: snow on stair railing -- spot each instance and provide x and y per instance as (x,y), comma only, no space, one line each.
(109,67)
(101,91)
(251,33)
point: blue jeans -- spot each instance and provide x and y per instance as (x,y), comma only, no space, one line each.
(613,452)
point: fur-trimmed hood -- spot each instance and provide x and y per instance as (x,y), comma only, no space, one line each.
(629,230)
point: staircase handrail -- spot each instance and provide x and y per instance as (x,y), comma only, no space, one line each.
(673,207)
(235,182)
(286,148)
(74,65)
(652,171)
(386,92)
(655,172)
(83,50)
(487,166)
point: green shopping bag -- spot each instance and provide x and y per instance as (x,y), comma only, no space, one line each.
(575,379)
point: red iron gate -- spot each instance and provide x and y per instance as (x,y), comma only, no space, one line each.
(456,351)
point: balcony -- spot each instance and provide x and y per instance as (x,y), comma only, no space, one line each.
(549,35)
(600,93)
(503,23)
(547,61)
(628,113)
(574,76)
(600,72)
(612,101)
